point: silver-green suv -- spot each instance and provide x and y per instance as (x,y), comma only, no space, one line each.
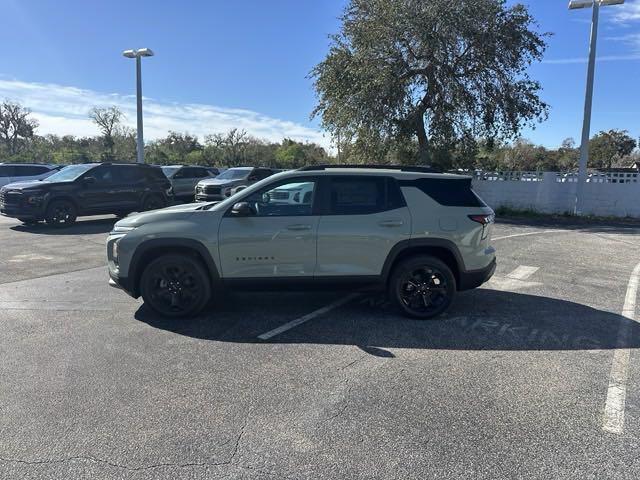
(419,235)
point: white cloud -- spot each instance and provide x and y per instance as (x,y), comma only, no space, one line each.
(64,110)
(627,13)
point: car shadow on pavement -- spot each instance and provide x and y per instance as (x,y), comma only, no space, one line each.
(482,319)
(81,227)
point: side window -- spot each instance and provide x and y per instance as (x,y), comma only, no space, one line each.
(200,172)
(290,199)
(129,174)
(355,195)
(29,170)
(263,173)
(6,171)
(103,174)
(181,174)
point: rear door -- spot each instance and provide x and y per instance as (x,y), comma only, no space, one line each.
(363,218)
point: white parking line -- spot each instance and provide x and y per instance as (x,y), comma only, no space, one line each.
(531,233)
(515,280)
(522,272)
(307,317)
(613,420)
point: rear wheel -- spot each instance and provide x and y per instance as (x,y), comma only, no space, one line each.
(153,202)
(61,213)
(175,286)
(422,287)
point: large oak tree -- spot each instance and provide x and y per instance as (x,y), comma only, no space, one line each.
(438,70)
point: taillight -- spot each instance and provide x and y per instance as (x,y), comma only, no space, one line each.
(484,219)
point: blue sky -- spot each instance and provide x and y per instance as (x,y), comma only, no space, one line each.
(221,64)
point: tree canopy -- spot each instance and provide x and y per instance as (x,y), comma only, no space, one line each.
(439,71)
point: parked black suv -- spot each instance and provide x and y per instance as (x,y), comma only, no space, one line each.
(86,189)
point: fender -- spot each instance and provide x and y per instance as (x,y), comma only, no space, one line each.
(404,245)
(135,267)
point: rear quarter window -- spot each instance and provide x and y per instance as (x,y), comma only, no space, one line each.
(451,192)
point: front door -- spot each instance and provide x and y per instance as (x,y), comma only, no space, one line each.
(277,239)
(365,217)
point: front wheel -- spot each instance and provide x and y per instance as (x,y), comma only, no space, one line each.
(422,287)
(61,213)
(175,286)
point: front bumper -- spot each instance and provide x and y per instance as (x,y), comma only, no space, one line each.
(474,278)
(209,197)
(21,211)
(121,283)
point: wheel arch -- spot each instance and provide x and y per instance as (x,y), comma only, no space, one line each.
(440,248)
(150,249)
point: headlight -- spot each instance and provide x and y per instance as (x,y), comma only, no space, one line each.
(34,199)
(121,229)
(114,250)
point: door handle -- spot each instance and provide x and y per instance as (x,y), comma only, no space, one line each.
(391,223)
(299,227)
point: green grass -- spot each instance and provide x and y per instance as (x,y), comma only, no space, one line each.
(509,212)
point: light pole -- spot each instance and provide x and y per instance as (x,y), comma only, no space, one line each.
(586,121)
(138,54)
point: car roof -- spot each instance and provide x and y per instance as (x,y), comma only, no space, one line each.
(399,172)
(29,165)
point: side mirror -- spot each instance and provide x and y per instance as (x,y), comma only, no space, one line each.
(241,209)
(89,180)
(253,178)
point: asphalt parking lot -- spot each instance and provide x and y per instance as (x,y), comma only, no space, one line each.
(535,375)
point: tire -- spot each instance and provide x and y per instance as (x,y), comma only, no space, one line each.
(422,287)
(153,202)
(28,221)
(61,213)
(175,286)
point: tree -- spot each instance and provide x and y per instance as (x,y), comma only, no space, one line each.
(436,70)
(607,148)
(16,128)
(108,121)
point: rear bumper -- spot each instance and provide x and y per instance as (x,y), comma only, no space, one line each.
(474,278)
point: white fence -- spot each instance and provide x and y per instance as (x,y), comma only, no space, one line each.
(615,194)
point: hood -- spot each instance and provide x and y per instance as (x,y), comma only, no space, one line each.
(170,213)
(223,183)
(30,184)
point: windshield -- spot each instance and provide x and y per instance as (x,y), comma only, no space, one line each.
(234,174)
(69,174)
(169,171)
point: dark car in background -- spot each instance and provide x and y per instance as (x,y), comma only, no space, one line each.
(184,179)
(87,189)
(17,172)
(230,181)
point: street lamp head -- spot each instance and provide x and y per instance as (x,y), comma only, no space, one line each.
(141,52)
(145,52)
(575,4)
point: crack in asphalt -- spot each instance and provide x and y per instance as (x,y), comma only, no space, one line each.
(88,458)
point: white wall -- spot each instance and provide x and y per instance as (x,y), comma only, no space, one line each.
(553,193)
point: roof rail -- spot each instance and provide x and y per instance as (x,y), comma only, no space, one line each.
(402,168)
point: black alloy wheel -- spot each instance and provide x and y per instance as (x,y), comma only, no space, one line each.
(153,202)
(61,213)
(176,286)
(423,287)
